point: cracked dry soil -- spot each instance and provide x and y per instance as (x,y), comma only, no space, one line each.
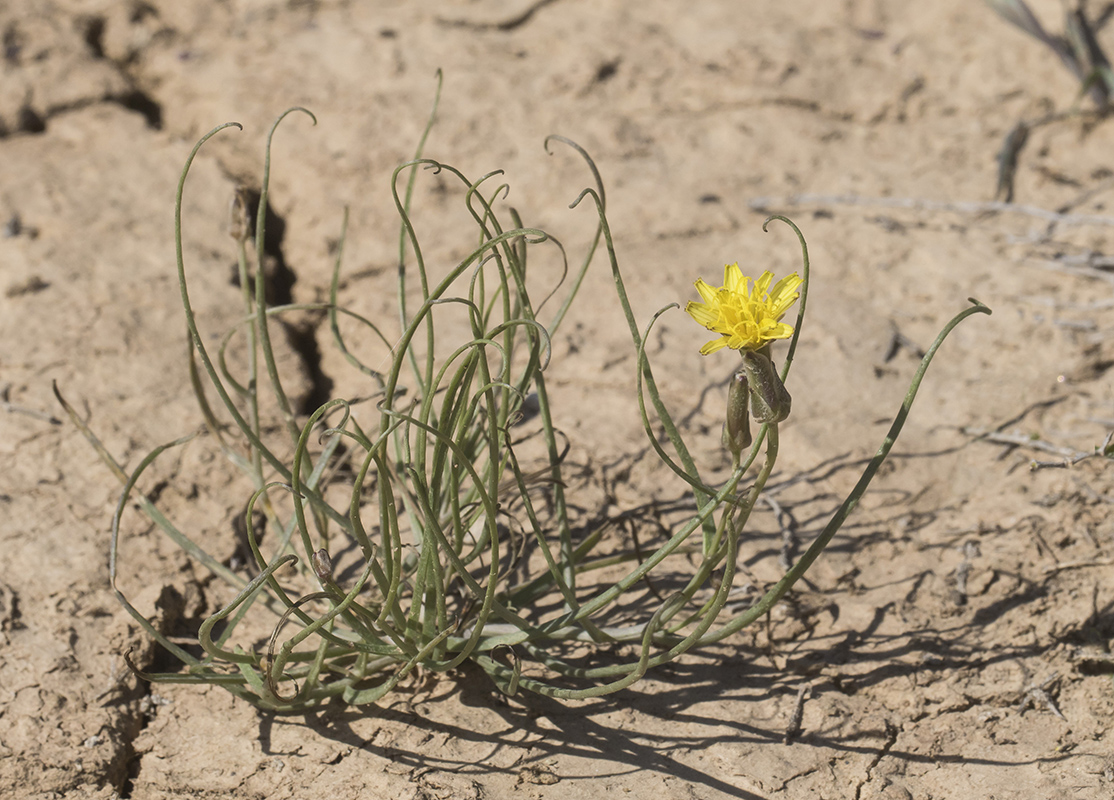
(954,642)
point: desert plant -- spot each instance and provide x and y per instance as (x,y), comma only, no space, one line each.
(1077,47)
(1079,51)
(435,505)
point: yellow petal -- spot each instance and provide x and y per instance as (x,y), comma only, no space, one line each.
(784,293)
(707,292)
(733,277)
(779,330)
(787,284)
(713,346)
(702,314)
(763,283)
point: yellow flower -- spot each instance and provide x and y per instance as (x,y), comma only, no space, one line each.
(747,319)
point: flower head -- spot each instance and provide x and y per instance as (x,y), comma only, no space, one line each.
(746,319)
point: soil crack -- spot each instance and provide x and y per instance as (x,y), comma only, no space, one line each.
(891,739)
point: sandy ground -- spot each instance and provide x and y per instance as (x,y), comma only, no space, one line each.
(954,640)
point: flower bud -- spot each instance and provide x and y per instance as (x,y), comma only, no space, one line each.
(769,400)
(322,565)
(239,223)
(736,428)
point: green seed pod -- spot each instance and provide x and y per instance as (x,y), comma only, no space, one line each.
(736,428)
(769,400)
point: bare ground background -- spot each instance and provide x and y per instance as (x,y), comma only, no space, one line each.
(955,638)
